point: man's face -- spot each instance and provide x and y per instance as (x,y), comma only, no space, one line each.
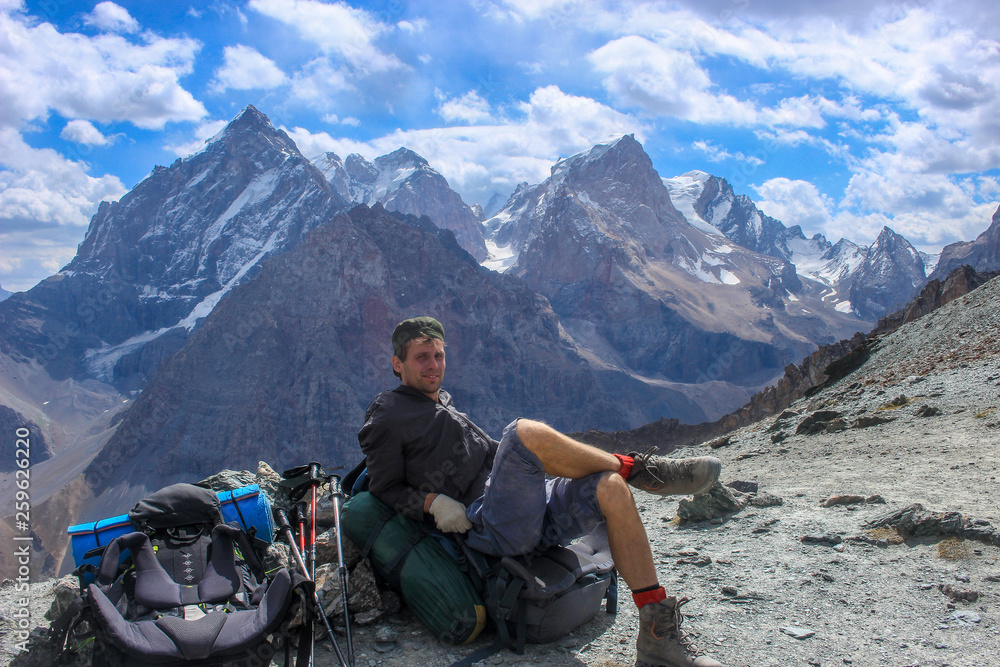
(423,369)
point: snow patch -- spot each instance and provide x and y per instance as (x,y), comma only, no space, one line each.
(684,192)
(844,307)
(697,271)
(500,258)
(205,307)
(728,277)
(390,181)
(101,361)
(259,189)
(199,178)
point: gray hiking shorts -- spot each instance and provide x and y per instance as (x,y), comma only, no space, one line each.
(520,509)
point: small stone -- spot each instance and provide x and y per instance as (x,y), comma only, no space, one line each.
(964,617)
(836,426)
(867,421)
(829,539)
(700,561)
(744,486)
(385,634)
(797,632)
(721,442)
(928,411)
(765,500)
(957,594)
(65,591)
(842,500)
(717,502)
(816,422)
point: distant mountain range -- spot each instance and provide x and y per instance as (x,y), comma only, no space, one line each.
(239,303)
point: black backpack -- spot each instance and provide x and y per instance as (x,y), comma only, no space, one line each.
(542,596)
(184,588)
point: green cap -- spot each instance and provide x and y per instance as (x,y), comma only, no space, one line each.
(416,327)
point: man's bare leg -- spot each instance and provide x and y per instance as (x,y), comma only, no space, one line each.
(562,456)
(626,533)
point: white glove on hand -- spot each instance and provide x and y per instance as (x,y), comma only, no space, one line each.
(449,515)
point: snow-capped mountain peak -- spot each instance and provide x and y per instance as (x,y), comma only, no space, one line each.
(685,191)
(403,181)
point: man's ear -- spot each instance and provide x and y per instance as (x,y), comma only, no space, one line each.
(397,364)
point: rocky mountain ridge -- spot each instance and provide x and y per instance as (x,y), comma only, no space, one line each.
(983,253)
(602,240)
(868,281)
(404,182)
(826,365)
(158,260)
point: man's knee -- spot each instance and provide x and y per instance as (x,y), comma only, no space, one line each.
(614,495)
(533,434)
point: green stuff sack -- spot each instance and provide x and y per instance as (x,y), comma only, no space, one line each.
(416,565)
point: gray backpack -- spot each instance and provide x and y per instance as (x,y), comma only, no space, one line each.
(542,596)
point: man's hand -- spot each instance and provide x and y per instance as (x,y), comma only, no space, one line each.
(449,515)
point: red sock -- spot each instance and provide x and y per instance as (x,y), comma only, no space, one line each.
(627,463)
(649,595)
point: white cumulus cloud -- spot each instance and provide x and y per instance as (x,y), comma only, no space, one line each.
(335,28)
(245,68)
(469,108)
(479,160)
(84,132)
(103,78)
(110,17)
(46,202)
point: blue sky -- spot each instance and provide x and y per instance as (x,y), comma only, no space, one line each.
(834,115)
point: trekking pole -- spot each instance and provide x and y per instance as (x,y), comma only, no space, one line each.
(315,477)
(297,480)
(299,516)
(281,517)
(336,497)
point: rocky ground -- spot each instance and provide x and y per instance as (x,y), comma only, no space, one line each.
(825,560)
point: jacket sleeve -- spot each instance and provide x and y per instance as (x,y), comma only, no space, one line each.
(386,472)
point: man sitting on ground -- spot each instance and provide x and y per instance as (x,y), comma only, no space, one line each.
(425,458)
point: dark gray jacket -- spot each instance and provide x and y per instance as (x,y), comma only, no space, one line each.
(415,446)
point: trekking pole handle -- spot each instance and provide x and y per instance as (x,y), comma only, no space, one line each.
(335,486)
(281,516)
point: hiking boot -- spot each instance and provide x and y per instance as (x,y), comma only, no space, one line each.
(673,477)
(661,641)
